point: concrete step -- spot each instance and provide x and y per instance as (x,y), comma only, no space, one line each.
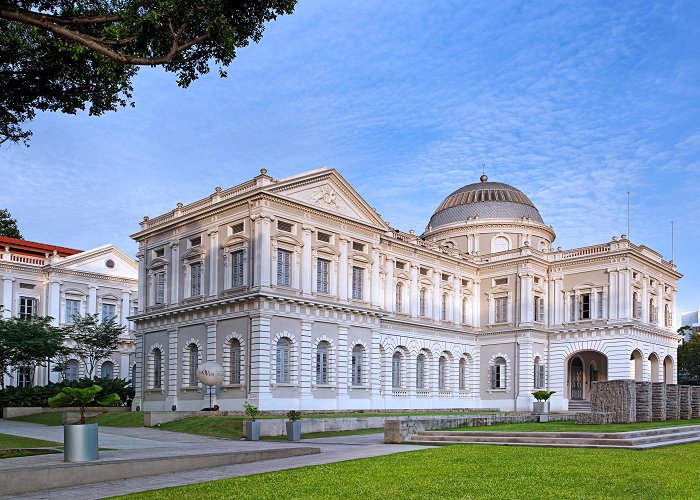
(579,405)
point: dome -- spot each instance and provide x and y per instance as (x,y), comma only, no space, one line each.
(484,200)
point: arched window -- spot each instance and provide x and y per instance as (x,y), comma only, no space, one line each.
(193,358)
(399,297)
(668,370)
(283,361)
(442,373)
(421,302)
(322,362)
(463,382)
(443,311)
(396,367)
(637,366)
(499,373)
(357,353)
(156,356)
(420,371)
(107,369)
(500,244)
(538,382)
(72,370)
(235,362)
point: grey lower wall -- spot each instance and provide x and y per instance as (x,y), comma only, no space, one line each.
(398,430)
(618,397)
(695,403)
(684,406)
(673,412)
(594,417)
(644,402)
(658,401)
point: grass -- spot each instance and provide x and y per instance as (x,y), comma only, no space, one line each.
(570,426)
(473,471)
(112,419)
(24,453)
(10,441)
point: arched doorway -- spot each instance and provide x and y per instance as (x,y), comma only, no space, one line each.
(654,367)
(637,366)
(668,370)
(584,368)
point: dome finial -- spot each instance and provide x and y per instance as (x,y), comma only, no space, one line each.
(483,177)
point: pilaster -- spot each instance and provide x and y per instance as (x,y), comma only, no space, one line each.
(213,262)
(171,397)
(343,269)
(262,257)
(260,356)
(306,261)
(174,269)
(305,374)
(342,370)
(389,290)
(375,276)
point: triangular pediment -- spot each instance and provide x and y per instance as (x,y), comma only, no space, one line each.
(107,260)
(326,190)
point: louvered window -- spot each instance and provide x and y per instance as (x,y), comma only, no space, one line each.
(539,309)
(357,279)
(196,270)
(600,305)
(421,302)
(283,361)
(235,368)
(160,288)
(284,268)
(498,374)
(584,306)
(462,374)
(420,371)
(396,370)
(193,352)
(357,365)
(443,310)
(399,297)
(322,276)
(501,305)
(322,363)
(72,310)
(237,269)
(442,373)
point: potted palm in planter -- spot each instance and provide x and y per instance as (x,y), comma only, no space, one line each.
(541,406)
(252,427)
(80,440)
(293,425)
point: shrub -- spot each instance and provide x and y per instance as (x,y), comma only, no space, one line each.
(543,396)
(251,411)
(39,395)
(293,415)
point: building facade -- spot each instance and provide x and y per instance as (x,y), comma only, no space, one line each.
(311,301)
(46,280)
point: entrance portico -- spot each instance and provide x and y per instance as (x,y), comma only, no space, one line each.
(584,367)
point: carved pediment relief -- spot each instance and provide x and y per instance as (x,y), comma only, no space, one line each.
(234,240)
(326,249)
(157,263)
(283,238)
(194,253)
(361,257)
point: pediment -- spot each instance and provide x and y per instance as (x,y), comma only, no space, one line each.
(326,249)
(157,262)
(326,190)
(107,260)
(234,240)
(193,253)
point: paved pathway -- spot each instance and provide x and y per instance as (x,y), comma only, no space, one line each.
(144,442)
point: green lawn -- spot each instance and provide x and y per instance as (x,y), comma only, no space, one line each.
(474,471)
(114,419)
(10,441)
(571,426)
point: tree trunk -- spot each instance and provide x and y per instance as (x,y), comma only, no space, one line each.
(82,415)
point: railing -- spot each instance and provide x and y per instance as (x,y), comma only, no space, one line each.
(25,259)
(445,394)
(399,393)
(581,252)
(421,393)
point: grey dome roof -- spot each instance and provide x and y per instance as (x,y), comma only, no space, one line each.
(484,200)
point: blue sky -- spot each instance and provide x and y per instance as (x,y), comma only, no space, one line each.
(574,103)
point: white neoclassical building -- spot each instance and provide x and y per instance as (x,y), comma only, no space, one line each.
(39,279)
(311,301)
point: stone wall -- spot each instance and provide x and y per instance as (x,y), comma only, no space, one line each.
(684,405)
(695,402)
(672,400)
(658,401)
(590,417)
(643,402)
(617,397)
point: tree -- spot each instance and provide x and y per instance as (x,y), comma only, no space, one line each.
(60,56)
(8,225)
(94,339)
(689,360)
(29,343)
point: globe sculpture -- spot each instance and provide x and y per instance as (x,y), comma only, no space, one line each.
(210,374)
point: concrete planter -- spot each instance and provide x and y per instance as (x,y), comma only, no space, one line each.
(252,431)
(293,430)
(540,408)
(80,443)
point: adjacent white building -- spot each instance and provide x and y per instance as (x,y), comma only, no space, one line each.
(310,300)
(39,279)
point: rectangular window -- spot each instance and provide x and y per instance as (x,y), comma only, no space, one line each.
(498,376)
(284,226)
(423,271)
(584,306)
(445,277)
(237,269)
(237,228)
(356,367)
(501,305)
(572,308)
(24,376)
(465,282)
(160,288)
(196,241)
(72,310)
(358,247)
(325,237)
(539,376)
(400,265)
(109,311)
(500,281)
(284,268)
(357,278)
(27,307)
(196,270)
(322,276)
(539,310)
(27,286)
(158,252)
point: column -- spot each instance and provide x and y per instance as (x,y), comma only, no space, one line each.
(55,301)
(343,269)
(261,250)
(557,301)
(624,293)
(342,369)
(660,307)
(126,301)
(644,299)
(389,287)
(260,360)
(171,397)
(213,262)
(476,303)
(437,295)
(567,317)
(526,299)
(174,269)
(457,300)
(140,371)
(143,277)
(414,291)
(92,299)
(612,294)
(525,373)
(210,356)
(306,262)
(476,243)
(306,377)
(375,275)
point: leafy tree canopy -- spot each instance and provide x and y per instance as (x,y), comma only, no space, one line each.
(8,225)
(64,56)
(689,360)
(94,339)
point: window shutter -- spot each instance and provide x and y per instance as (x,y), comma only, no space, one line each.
(493,377)
(540,311)
(541,381)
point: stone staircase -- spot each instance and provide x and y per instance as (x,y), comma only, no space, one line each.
(579,405)
(652,438)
